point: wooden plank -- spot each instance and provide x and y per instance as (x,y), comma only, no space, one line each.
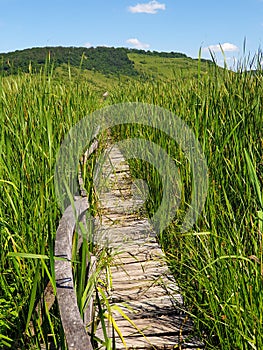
(154,304)
(166,341)
(142,285)
(154,325)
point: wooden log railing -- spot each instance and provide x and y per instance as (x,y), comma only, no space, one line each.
(74,328)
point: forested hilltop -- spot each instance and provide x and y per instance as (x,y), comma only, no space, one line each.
(106,60)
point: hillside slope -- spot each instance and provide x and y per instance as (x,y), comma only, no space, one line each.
(108,61)
(167,68)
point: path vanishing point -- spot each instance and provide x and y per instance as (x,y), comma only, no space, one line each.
(148,308)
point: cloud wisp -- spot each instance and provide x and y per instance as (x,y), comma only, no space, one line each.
(226,47)
(87,45)
(137,44)
(151,7)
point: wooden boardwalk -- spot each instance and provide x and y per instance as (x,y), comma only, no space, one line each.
(152,315)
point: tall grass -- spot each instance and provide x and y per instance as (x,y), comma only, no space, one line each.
(218,265)
(35,113)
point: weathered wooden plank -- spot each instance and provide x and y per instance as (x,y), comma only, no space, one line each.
(142,285)
(139,253)
(157,305)
(147,270)
(166,341)
(153,324)
(140,292)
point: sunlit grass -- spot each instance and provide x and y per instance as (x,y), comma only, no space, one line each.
(35,113)
(218,265)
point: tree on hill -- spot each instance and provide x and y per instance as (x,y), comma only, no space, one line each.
(107,60)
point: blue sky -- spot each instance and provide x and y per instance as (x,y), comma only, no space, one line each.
(163,25)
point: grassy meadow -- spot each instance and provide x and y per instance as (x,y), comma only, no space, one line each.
(218,264)
(165,68)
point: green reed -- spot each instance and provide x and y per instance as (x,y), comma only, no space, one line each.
(218,264)
(36,111)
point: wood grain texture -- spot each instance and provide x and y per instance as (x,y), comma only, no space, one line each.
(146,302)
(76,336)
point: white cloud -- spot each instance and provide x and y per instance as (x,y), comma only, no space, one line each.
(151,7)
(87,45)
(226,47)
(137,44)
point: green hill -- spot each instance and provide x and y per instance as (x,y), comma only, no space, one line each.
(167,67)
(102,59)
(107,61)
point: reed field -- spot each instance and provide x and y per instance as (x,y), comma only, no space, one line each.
(218,264)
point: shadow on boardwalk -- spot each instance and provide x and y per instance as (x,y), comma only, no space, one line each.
(152,313)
